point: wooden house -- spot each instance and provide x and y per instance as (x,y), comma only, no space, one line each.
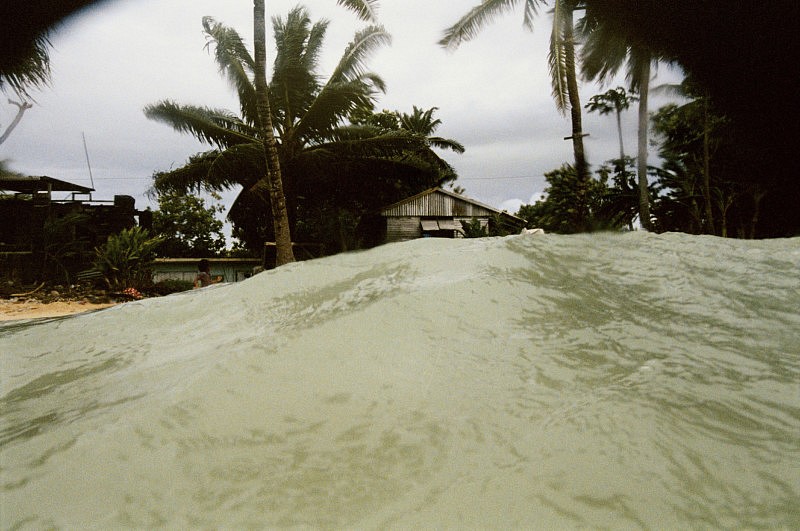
(434,213)
(36,228)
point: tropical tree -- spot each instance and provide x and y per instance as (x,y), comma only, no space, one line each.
(322,157)
(187,227)
(365,9)
(422,123)
(570,204)
(613,100)
(606,49)
(28,71)
(705,181)
(274,180)
(561,57)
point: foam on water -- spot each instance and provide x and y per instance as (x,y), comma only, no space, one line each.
(603,381)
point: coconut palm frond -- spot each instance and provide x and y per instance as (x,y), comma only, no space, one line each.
(639,60)
(30,70)
(213,126)
(352,63)
(348,88)
(603,54)
(468,26)
(242,164)
(557,60)
(294,82)
(531,11)
(354,141)
(446,143)
(332,106)
(365,9)
(235,62)
(191,177)
(420,121)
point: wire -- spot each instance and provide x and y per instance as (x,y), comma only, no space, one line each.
(493,178)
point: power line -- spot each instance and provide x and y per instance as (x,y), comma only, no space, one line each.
(494,178)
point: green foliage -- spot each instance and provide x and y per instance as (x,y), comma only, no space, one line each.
(329,167)
(574,205)
(187,227)
(125,260)
(29,70)
(60,247)
(566,209)
(474,229)
(703,182)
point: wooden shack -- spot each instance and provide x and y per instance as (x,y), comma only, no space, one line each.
(36,229)
(434,213)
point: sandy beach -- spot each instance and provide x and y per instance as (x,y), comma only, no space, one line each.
(11,309)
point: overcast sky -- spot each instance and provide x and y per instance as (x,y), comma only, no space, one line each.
(493,93)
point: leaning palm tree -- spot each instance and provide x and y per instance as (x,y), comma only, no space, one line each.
(561,57)
(321,156)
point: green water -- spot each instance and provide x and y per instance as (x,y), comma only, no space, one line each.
(603,381)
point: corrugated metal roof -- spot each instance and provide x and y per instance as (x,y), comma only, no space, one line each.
(29,185)
(436,202)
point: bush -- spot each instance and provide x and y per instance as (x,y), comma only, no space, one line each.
(171,285)
(126,259)
(473,229)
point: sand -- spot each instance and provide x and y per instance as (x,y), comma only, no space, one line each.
(11,309)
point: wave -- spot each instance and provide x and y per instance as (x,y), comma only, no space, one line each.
(599,380)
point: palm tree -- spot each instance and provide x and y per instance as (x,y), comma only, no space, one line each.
(283,241)
(322,158)
(422,123)
(561,57)
(280,215)
(605,50)
(613,100)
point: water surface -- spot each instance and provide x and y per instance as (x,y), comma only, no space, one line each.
(619,381)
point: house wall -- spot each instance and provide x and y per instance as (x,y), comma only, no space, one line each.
(400,229)
(230,269)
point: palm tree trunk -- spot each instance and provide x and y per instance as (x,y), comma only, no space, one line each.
(641,159)
(621,145)
(707,170)
(581,166)
(283,238)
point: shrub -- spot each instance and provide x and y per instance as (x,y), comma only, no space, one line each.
(126,259)
(473,229)
(171,285)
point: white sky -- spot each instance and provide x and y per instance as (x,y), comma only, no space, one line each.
(493,93)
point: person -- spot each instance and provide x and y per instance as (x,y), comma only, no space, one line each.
(204,277)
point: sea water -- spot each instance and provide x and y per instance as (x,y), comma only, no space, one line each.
(600,381)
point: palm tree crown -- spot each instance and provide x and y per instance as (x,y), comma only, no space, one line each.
(319,151)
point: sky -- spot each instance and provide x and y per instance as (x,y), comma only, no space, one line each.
(493,93)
